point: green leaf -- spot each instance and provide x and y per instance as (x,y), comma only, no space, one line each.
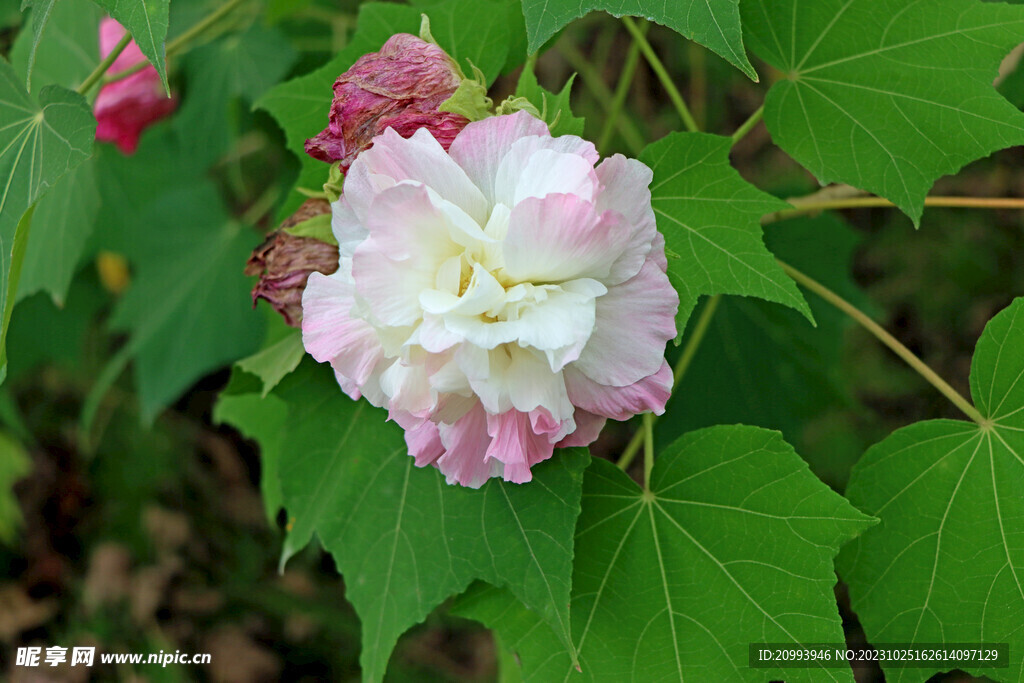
(301,106)
(275,362)
(714,24)
(61,226)
(476,32)
(146,20)
(887,106)
(41,10)
(554,109)
(39,142)
(710,218)
(14,464)
(346,476)
(753,347)
(318,227)
(946,564)
(675,583)
(67,51)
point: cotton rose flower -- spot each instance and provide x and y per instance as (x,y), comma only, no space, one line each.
(399,87)
(126,107)
(284,261)
(501,300)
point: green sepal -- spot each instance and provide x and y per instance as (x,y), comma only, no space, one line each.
(317,227)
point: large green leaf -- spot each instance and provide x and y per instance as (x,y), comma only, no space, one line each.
(887,95)
(946,564)
(710,218)
(712,23)
(346,476)
(61,226)
(146,20)
(733,545)
(40,15)
(188,310)
(753,348)
(40,141)
(68,50)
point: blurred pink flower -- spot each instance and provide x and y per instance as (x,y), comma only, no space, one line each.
(126,107)
(499,301)
(400,87)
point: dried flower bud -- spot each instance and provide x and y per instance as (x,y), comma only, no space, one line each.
(126,107)
(284,262)
(400,87)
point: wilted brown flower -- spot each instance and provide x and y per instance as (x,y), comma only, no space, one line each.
(284,262)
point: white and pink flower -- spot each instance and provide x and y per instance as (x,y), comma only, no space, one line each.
(500,300)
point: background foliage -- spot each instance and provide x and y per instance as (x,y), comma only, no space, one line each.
(165,450)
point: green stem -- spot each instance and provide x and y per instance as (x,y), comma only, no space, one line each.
(689,351)
(595,84)
(894,344)
(802,208)
(648,449)
(693,343)
(662,74)
(619,97)
(748,125)
(698,82)
(97,73)
(181,42)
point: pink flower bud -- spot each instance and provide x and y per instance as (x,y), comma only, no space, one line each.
(126,107)
(399,87)
(284,262)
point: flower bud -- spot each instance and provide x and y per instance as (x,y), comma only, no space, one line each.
(285,260)
(126,107)
(401,87)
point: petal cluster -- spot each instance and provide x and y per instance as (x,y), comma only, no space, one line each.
(126,107)
(399,87)
(499,300)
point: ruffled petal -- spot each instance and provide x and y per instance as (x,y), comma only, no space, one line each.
(515,442)
(619,403)
(634,321)
(588,428)
(424,443)
(465,444)
(625,188)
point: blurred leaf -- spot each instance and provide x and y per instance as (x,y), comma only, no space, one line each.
(946,564)
(188,308)
(41,10)
(15,463)
(68,50)
(476,32)
(346,476)
(61,226)
(710,218)
(887,106)
(275,362)
(754,348)
(714,24)
(146,20)
(554,108)
(675,583)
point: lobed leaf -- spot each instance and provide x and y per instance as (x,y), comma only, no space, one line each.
(714,24)
(346,476)
(147,21)
(732,545)
(710,218)
(946,563)
(887,95)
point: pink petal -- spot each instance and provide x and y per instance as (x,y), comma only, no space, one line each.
(422,159)
(481,145)
(634,321)
(424,443)
(588,428)
(625,188)
(562,237)
(619,403)
(516,443)
(465,444)
(331,334)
